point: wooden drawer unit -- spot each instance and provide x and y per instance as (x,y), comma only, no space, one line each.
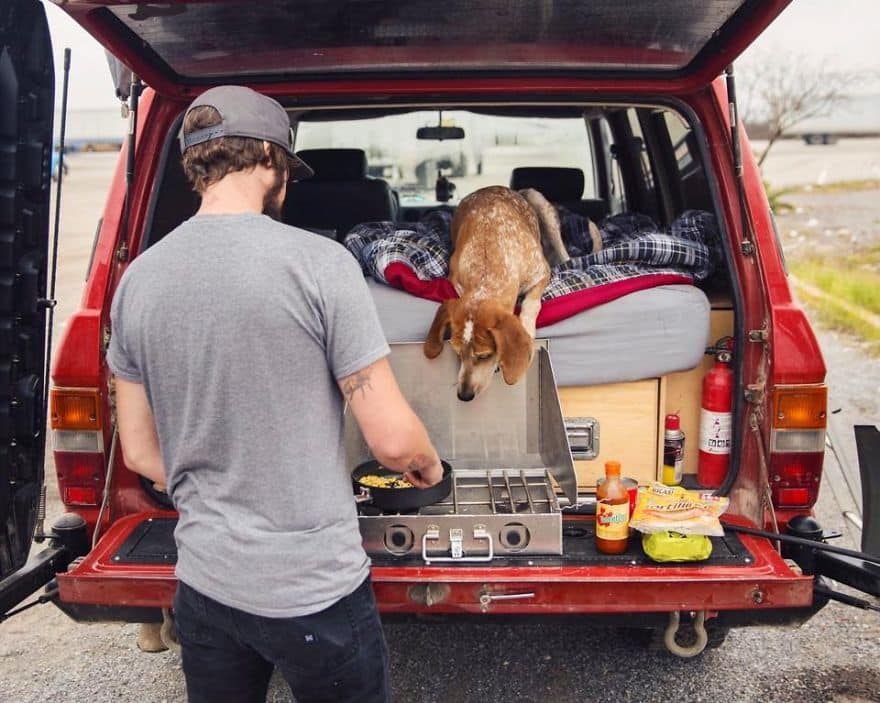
(630,427)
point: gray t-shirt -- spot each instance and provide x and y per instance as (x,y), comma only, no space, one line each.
(238,327)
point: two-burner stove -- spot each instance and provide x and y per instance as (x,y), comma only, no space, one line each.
(498,512)
(509,453)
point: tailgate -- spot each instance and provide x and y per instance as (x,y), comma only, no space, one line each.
(133,565)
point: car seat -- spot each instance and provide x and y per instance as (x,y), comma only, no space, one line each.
(561,186)
(339,196)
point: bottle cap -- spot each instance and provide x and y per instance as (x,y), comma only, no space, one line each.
(612,468)
(673,422)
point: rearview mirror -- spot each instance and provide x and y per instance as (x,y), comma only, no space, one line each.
(439,134)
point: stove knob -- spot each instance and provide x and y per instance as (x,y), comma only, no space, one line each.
(514,536)
(399,539)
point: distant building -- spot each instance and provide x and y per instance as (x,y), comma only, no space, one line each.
(98,128)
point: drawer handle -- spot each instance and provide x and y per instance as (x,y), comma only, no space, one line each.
(583,437)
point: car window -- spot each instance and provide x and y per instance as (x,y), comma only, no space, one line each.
(692,183)
(678,135)
(492,147)
(644,159)
(279,37)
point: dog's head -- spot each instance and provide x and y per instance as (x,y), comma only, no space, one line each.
(486,338)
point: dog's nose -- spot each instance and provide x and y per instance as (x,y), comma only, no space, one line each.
(465,394)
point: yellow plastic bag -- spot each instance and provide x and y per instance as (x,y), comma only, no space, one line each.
(662,508)
(674,546)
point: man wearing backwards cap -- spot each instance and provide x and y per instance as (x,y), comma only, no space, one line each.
(232,339)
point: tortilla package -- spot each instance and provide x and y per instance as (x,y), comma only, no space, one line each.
(662,508)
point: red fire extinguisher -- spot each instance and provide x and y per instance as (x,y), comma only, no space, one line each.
(715,422)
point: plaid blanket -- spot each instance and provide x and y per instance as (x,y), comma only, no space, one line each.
(633,254)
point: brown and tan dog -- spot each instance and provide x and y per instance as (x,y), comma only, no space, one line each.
(501,242)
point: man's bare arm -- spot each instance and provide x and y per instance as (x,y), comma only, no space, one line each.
(394,433)
(137,431)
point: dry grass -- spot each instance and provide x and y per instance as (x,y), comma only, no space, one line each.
(851,284)
(842,186)
(843,295)
(834,317)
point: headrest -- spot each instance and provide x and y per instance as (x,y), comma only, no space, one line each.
(558,185)
(336,164)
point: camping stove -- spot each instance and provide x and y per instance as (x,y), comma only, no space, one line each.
(498,512)
(509,453)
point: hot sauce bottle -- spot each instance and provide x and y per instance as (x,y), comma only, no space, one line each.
(612,512)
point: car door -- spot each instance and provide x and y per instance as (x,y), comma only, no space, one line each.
(26,111)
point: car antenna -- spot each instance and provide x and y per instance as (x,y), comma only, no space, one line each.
(133,99)
(48,303)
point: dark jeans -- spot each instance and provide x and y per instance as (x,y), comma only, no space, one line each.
(336,655)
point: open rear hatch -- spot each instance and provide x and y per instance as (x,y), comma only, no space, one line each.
(179,48)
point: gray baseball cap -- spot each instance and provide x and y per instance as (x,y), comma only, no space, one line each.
(247,113)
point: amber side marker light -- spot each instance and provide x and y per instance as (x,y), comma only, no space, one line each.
(800,407)
(75,418)
(75,409)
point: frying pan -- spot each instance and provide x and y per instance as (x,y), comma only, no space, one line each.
(401,499)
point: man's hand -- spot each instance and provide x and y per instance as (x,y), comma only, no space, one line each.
(424,472)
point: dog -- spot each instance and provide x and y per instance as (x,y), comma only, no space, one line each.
(503,245)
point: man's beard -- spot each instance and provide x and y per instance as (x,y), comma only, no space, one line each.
(272,201)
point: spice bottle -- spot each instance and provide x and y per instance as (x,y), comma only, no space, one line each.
(673,451)
(612,512)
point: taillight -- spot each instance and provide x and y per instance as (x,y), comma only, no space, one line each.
(797,444)
(78,441)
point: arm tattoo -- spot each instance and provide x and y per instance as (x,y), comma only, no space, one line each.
(360,381)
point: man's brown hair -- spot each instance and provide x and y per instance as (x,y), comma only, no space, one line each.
(206,163)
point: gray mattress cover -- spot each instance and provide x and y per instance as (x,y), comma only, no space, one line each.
(641,335)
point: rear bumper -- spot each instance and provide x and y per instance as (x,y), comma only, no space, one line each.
(766,585)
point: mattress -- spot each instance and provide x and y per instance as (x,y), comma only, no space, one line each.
(645,334)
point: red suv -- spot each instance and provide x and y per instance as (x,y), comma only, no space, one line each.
(608,108)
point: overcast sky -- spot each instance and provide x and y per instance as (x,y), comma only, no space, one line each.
(842,33)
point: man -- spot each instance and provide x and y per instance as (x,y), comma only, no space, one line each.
(232,339)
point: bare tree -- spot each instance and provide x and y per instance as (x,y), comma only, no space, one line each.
(781,92)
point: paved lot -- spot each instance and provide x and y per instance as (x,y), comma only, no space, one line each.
(835,657)
(791,162)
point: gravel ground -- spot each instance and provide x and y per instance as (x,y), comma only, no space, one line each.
(830,224)
(45,657)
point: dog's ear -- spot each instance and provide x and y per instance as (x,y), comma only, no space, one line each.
(514,347)
(440,329)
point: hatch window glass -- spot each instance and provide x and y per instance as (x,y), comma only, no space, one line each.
(210,39)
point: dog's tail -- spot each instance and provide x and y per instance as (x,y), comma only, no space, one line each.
(551,228)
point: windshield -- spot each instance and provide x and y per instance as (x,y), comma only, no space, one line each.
(492,147)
